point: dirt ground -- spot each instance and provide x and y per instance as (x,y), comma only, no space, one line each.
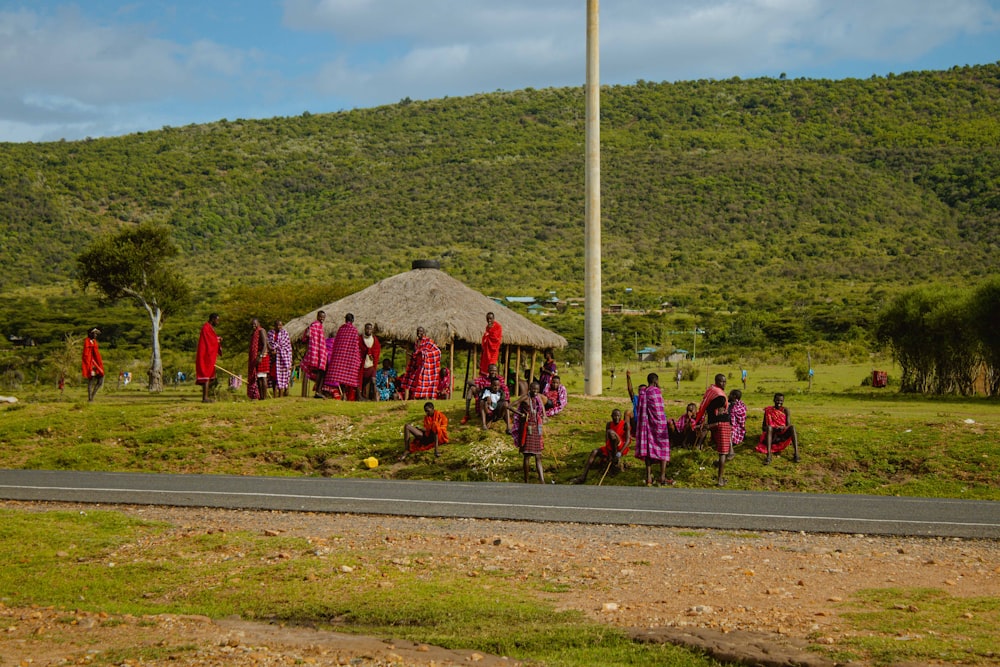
(783,587)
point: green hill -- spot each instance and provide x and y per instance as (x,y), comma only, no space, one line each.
(716,194)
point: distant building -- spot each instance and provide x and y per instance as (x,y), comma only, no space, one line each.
(646,353)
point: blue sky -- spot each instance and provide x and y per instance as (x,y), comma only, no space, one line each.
(107,67)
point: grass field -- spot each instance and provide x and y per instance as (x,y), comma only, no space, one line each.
(854,439)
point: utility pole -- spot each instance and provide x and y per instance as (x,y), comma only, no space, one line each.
(592,334)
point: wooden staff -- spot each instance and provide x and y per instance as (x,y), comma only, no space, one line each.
(230,373)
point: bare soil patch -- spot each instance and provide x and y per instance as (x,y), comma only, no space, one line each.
(782,589)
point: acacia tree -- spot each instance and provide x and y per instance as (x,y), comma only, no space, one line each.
(133,264)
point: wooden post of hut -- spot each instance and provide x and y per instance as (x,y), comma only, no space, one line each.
(451,367)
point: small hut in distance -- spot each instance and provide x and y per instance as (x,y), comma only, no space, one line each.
(451,313)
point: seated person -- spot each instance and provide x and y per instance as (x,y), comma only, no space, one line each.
(555,397)
(385,382)
(492,405)
(444,384)
(617,435)
(778,431)
(481,382)
(683,431)
(434,433)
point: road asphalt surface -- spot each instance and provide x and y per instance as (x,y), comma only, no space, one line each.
(692,508)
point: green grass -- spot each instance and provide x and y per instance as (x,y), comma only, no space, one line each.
(924,625)
(102,561)
(854,439)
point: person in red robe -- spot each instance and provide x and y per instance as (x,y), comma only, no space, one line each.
(344,361)
(209,346)
(371,350)
(423,368)
(492,337)
(93,365)
(778,431)
(258,362)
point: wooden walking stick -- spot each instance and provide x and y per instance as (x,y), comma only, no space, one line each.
(230,373)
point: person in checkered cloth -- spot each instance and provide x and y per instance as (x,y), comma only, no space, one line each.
(423,368)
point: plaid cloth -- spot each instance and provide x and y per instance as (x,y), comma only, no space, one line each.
(528,429)
(483,381)
(315,358)
(558,398)
(281,359)
(652,440)
(254,364)
(738,417)
(423,370)
(344,364)
(722,437)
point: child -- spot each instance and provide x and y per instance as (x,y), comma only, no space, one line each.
(529,414)
(617,435)
(434,433)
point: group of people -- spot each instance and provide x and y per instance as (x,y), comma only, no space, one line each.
(347,365)
(523,417)
(720,418)
(269,359)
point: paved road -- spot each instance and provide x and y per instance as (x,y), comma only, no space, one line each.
(695,508)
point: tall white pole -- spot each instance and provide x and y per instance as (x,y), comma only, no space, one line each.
(592,344)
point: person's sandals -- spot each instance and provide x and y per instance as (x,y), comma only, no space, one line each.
(722,482)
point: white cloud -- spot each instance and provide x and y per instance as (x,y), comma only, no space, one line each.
(110,65)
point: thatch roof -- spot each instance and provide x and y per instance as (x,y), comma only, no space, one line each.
(447,309)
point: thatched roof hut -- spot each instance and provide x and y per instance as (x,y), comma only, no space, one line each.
(449,311)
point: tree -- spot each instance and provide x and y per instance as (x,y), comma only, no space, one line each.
(133,264)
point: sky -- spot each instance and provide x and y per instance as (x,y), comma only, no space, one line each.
(96,68)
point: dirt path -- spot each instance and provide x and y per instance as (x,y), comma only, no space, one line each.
(695,586)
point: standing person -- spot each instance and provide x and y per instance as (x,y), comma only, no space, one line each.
(743,376)
(492,338)
(738,418)
(434,433)
(344,365)
(652,440)
(314,362)
(549,369)
(529,415)
(423,368)
(778,431)
(258,362)
(678,377)
(280,345)
(93,365)
(371,350)
(715,404)
(209,346)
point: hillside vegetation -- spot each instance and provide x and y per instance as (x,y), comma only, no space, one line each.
(727,196)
